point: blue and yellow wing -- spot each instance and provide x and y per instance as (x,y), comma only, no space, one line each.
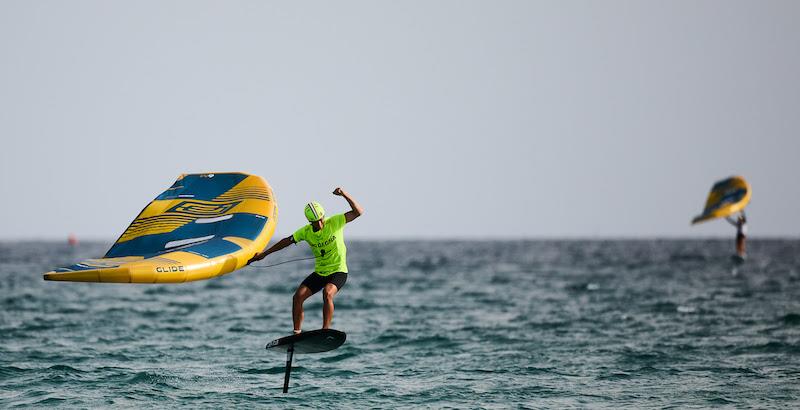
(204,225)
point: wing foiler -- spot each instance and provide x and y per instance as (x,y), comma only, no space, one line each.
(203,226)
(726,198)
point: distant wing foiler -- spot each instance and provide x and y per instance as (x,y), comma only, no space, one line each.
(204,225)
(726,198)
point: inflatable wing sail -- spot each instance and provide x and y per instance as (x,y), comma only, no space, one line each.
(726,198)
(204,225)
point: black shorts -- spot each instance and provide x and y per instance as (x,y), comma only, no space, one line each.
(316,282)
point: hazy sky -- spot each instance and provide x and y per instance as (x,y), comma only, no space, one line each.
(446,119)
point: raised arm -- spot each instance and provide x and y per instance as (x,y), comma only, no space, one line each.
(355,209)
(274,248)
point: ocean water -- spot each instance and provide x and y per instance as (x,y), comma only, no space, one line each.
(437,324)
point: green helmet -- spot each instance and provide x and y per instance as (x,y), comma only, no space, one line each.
(314,211)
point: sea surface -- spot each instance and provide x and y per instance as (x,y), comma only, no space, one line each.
(430,324)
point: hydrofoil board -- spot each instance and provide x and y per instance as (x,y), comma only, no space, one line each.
(315,341)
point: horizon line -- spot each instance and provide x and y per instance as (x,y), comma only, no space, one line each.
(472,238)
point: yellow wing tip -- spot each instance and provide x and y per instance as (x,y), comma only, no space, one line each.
(81,276)
(114,275)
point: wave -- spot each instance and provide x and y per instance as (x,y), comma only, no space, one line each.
(791,319)
(769,348)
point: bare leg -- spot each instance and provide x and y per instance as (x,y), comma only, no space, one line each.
(327,304)
(740,247)
(300,296)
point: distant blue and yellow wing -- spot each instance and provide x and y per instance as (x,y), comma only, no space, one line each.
(726,198)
